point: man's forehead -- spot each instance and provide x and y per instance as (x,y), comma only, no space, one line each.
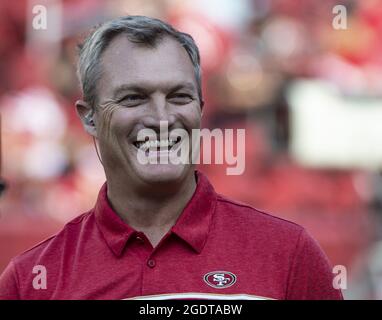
(121,49)
(147,86)
(125,63)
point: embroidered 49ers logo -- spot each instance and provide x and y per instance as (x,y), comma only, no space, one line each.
(220,279)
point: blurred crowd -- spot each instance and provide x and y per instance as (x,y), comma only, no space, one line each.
(252,52)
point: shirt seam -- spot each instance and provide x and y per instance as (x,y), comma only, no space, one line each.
(50,238)
(293,263)
(80,218)
(16,278)
(257,210)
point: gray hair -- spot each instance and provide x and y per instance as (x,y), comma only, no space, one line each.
(138,29)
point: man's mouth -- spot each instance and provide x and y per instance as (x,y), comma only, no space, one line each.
(157,145)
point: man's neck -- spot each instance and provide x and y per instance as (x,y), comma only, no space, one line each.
(148,212)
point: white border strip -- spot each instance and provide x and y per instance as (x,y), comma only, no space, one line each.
(192,295)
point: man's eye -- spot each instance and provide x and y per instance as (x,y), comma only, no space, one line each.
(132,99)
(181,98)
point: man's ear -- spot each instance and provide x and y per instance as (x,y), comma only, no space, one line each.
(86,114)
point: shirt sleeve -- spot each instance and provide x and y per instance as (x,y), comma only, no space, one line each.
(8,283)
(311,276)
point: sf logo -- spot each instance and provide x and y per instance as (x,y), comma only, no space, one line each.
(219,279)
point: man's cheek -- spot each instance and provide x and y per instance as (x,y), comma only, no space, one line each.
(192,119)
(106,117)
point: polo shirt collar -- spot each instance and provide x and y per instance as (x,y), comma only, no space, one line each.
(194,222)
(192,225)
(115,231)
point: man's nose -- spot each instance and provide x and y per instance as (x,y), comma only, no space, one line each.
(158,111)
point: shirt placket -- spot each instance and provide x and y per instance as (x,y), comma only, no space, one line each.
(151,268)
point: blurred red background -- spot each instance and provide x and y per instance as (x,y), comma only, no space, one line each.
(253,54)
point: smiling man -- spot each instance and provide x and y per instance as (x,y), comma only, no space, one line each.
(143,84)
(159,230)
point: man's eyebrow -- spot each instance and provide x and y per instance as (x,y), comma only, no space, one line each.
(183,85)
(120,90)
(117,92)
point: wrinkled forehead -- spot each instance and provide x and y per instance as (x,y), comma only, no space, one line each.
(126,63)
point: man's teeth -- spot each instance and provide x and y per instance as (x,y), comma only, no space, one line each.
(155,143)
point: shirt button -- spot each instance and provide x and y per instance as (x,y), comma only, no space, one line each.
(139,239)
(151,263)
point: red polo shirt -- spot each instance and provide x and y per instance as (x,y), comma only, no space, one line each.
(218,248)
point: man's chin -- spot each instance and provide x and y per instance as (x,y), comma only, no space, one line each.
(162,173)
